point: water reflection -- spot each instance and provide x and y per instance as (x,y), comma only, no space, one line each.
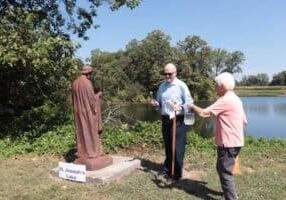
(256,109)
(266,117)
(280,109)
(269,117)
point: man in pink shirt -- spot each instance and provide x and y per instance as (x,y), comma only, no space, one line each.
(229,137)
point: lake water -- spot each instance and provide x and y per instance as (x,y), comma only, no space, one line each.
(266,117)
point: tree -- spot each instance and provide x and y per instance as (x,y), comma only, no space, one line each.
(263,79)
(36,53)
(110,76)
(219,59)
(58,16)
(147,58)
(34,65)
(259,79)
(198,53)
(279,78)
(234,61)
(196,66)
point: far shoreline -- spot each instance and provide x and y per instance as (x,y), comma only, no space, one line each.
(259,91)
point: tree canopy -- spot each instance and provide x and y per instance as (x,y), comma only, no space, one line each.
(37,61)
(135,71)
(279,78)
(260,79)
(60,17)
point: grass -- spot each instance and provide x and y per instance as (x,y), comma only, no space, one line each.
(263,177)
(261,90)
(26,163)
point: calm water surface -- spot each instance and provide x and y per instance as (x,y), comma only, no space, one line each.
(266,117)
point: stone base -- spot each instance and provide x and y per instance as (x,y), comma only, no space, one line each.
(120,167)
(95,163)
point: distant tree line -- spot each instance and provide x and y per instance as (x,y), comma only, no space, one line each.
(262,79)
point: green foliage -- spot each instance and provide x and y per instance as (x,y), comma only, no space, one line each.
(263,145)
(109,77)
(55,142)
(146,59)
(279,78)
(196,68)
(219,58)
(61,139)
(200,144)
(34,122)
(261,79)
(140,65)
(142,133)
(36,59)
(35,66)
(62,16)
(234,61)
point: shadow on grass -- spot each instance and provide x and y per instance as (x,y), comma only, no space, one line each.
(192,187)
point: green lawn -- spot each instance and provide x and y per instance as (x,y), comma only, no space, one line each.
(25,166)
(263,177)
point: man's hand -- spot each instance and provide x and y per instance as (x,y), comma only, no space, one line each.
(201,111)
(177,107)
(153,102)
(191,106)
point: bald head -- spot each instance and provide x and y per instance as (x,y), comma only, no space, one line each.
(170,67)
(170,72)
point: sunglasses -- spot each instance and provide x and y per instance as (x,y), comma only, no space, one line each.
(168,74)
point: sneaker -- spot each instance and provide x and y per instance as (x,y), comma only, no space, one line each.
(176,178)
(163,173)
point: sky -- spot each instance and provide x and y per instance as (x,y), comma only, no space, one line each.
(255,27)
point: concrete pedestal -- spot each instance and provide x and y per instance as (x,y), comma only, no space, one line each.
(120,167)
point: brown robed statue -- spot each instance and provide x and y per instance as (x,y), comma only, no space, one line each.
(88,124)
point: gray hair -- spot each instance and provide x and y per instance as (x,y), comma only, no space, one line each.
(226,80)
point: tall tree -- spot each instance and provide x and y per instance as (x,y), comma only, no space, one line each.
(198,58)
(198,53)
(34,64)
(147,58)
(36,53)
(110,76)
(59,16)
(234,61)
(219,58)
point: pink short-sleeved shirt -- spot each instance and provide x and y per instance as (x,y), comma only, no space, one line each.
(230,120)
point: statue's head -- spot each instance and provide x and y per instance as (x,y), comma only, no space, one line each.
(86,69)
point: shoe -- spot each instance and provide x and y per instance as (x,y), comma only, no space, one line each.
(163,173)
(176,178)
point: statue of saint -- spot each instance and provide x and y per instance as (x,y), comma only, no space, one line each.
(88,124)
